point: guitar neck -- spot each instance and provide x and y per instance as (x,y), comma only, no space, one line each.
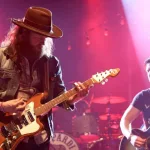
(63,97)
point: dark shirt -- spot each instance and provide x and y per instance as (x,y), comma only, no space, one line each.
(15,79)
(142,102)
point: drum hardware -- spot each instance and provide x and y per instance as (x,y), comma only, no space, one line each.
(100,104)
(111,136)
(85,126)
(91,144)
(104,144)
(108,118)
(112,119)
(111,116)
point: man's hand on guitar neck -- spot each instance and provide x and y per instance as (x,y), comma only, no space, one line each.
(13,106)
(137,141)
(82,90)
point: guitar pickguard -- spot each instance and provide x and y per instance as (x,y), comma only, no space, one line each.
(32,126)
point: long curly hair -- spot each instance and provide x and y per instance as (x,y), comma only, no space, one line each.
(17,38)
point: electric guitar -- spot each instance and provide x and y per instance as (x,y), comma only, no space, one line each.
(14,129)
(126,145)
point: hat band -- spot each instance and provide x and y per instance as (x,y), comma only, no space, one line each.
(37,26)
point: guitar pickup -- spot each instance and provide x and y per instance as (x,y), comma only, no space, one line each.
(24,120)
(30,116)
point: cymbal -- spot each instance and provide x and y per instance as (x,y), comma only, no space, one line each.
(106,99)
(112,116)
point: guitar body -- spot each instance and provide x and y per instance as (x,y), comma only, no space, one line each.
(13,129)
(126,145)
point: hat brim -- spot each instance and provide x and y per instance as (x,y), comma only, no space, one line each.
(56,31)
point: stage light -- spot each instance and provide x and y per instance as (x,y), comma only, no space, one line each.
(88,41)
(69,46)
(106,32)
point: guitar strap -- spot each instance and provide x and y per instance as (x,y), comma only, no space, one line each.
(46,76)
(47,88)
(48,84)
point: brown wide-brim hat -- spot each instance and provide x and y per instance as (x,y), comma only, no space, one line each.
(39,20)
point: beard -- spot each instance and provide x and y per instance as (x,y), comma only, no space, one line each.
(30,51)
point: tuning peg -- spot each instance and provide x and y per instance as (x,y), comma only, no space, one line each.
(106,80)
(103,83)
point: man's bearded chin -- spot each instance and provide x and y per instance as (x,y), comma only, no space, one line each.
(37,50)
(29,50)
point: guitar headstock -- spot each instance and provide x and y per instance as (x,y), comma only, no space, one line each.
(102,76)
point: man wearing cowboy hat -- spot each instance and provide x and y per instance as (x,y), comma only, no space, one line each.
(27,67)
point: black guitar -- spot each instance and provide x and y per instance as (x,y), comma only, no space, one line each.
(126,145)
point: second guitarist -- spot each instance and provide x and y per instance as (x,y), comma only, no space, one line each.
(140,103)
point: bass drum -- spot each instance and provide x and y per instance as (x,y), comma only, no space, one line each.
(85,127)
(63,141)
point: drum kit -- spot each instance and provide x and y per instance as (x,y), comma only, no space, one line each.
(96,125)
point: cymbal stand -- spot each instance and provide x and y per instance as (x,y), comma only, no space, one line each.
(108,119)
(109,130)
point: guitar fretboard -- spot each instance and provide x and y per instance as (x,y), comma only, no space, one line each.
(63,97)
